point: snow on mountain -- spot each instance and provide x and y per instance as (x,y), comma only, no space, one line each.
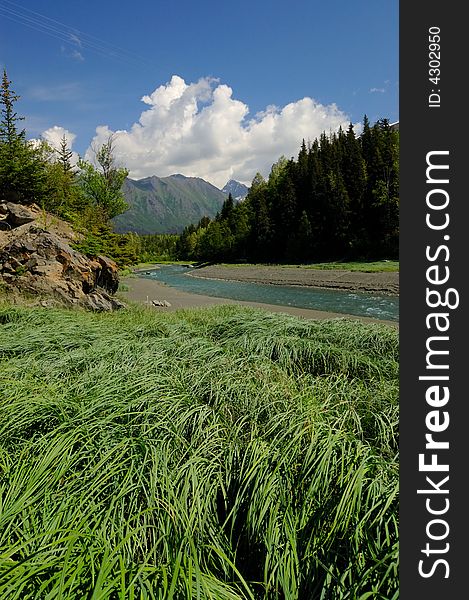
(236,189)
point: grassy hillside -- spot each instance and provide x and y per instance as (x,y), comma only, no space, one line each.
(221,453)
(167,204)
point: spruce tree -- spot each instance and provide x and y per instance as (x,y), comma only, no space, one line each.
(354,175)
(227,214)
(260,238)
(386,190)
(301,178)
(23,166)
(285,212)
(9,134)
(242,213)
(64,155)
(300,245)
(65,197)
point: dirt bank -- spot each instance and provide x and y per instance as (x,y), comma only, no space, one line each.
(143,291)
(354,281)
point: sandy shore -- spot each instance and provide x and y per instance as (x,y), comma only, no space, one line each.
(143,291)
(354,281)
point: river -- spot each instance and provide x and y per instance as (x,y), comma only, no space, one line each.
(357,303)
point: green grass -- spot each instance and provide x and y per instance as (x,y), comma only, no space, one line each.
(365,267)
(220,453)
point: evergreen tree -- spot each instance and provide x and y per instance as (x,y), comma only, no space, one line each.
(203,223)
(23,166)
(242,218)
(300,245)
(381,199)
(64,155)
(64,198)
(284,215)
(338,200)
(227,214)
(315,200)
(386,190)
(9,134)
(354,174)
(301,178)
(260,238)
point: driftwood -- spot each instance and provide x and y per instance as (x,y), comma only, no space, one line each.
(164,303)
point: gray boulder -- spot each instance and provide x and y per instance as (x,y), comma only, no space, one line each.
(39,262)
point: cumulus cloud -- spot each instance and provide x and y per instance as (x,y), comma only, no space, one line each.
(375,90)
(54,135)
(201,130)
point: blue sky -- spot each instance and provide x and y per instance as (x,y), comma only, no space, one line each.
(239,83)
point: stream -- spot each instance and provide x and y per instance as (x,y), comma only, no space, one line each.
(353,303)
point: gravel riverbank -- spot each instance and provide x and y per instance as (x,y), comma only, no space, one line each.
(143,291)
(356,281)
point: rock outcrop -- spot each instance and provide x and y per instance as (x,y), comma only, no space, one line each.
(36,259)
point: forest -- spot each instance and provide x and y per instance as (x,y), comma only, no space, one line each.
(87,194)
(339,200)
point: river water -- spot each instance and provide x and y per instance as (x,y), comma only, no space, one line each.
(356,303)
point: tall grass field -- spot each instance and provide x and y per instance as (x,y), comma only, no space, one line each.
(222,453)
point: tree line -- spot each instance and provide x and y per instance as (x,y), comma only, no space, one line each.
(85,194)
(339,200)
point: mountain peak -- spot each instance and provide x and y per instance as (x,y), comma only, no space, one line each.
(167,204)
(236,189)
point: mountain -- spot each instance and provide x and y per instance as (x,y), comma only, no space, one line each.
(236,189)
(167,204)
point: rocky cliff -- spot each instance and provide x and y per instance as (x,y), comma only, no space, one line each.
(37,260)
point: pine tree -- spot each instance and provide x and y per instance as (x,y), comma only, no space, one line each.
(299,247)
(261,244)
(64,155)
(242,230)
(354,175)
(301,178)
(260,238)
(386,190)
(227,214)
(381,199)
(9,133)
(23,167)
(65,197)
(284,213)
(316,198)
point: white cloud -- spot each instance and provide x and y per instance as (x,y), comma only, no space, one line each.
(73,53)
(75,39)
(77,56)
(377,90)
(54,135)
(200,130)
